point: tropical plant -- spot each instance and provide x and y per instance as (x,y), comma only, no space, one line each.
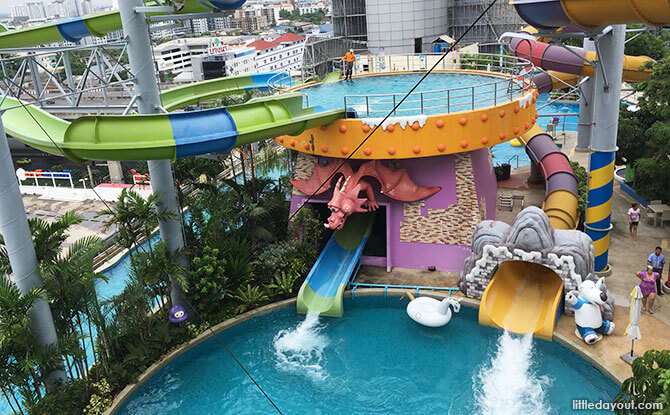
(208,281)
(135,217)
(582,189)
(650,382)
(282,283)
(249,297)
(100,399)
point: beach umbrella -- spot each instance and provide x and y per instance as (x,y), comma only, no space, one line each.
(633,329)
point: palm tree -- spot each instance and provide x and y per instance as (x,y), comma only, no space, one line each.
(17,340)
(135,217)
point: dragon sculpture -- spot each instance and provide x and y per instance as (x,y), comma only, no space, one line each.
(395,184)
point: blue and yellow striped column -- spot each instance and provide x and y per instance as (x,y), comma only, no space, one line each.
(599,205)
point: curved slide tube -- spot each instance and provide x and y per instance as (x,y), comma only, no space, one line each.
(99,25)
(561,197)
(568,66)
(523,297)
(169,135)
(164,136)
(323,289)
(591,14)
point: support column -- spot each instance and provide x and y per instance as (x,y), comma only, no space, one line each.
(21,252)
(115,171)
(140,57)
(586,107)
(603,145)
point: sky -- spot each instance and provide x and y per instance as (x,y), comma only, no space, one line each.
(5,4)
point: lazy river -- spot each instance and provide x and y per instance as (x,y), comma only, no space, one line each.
(373,360)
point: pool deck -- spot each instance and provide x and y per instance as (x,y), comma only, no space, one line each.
(625,256)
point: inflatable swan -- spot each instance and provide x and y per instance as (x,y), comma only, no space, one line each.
(430,312)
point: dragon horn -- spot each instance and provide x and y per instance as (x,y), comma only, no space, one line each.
(339,182)
(344,186)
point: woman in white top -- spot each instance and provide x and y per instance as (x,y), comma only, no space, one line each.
(633,219)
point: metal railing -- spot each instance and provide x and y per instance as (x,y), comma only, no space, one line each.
(280,81)
(519,77)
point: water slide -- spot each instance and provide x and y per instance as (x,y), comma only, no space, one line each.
(568,66)
(324,286)
(523,297)
(99,25)
(168,136)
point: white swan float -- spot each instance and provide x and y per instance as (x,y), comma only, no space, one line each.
(430,312)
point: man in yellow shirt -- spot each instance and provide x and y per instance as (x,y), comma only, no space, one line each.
(349,59)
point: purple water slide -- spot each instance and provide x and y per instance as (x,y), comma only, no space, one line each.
(541,149)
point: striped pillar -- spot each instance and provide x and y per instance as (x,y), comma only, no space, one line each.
(599,207)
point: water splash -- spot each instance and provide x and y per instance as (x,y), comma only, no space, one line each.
(508,383)
(300,350)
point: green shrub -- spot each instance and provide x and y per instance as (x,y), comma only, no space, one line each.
(582,190)
(100,400)
(650,382)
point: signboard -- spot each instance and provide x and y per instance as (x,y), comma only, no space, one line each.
(216,47)
(422,62)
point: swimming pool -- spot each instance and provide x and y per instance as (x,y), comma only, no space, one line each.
(331,96)
(373,360)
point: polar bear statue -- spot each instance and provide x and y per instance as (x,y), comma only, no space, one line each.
(587,301)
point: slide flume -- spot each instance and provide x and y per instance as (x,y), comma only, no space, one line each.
(323,288)
(522,297)
(169,136)
(99,25)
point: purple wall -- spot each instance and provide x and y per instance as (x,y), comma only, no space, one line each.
(430,171)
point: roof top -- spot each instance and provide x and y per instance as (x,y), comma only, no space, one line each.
(261,44)
(288,38)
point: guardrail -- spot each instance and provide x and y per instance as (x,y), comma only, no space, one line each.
(280,81)
(519,77)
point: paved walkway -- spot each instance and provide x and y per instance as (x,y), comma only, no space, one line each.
(52,210)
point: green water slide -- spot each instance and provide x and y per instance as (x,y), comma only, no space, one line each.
(75,29)
(340,259)
(174,135)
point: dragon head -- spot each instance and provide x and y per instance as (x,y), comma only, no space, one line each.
(345,201)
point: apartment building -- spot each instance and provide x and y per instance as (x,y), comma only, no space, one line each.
(281,54)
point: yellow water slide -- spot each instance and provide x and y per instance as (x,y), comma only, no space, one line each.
(522,297)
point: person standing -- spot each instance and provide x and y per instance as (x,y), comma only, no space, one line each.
(349,59)
(657,261)
(648,287)
(633,219)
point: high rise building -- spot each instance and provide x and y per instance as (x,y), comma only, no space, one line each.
(17,11)
(409,26)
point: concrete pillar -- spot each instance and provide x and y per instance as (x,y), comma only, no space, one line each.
(585,126)
(603,145)
(21,252)
(146,87)
(115,171)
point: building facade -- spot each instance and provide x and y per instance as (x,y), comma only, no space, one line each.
(281,54)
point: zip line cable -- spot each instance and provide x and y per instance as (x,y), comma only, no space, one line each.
(444,55)
(223,344)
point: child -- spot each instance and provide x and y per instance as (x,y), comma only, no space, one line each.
(648,288)
(633,219)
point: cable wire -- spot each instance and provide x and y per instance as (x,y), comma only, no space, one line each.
(392,111)
(223,344)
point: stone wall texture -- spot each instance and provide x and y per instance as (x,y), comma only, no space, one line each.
(451,226)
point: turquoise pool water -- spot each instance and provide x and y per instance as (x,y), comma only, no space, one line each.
(374,360)
(331,96)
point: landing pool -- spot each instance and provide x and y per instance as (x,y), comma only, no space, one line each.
(374,360)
